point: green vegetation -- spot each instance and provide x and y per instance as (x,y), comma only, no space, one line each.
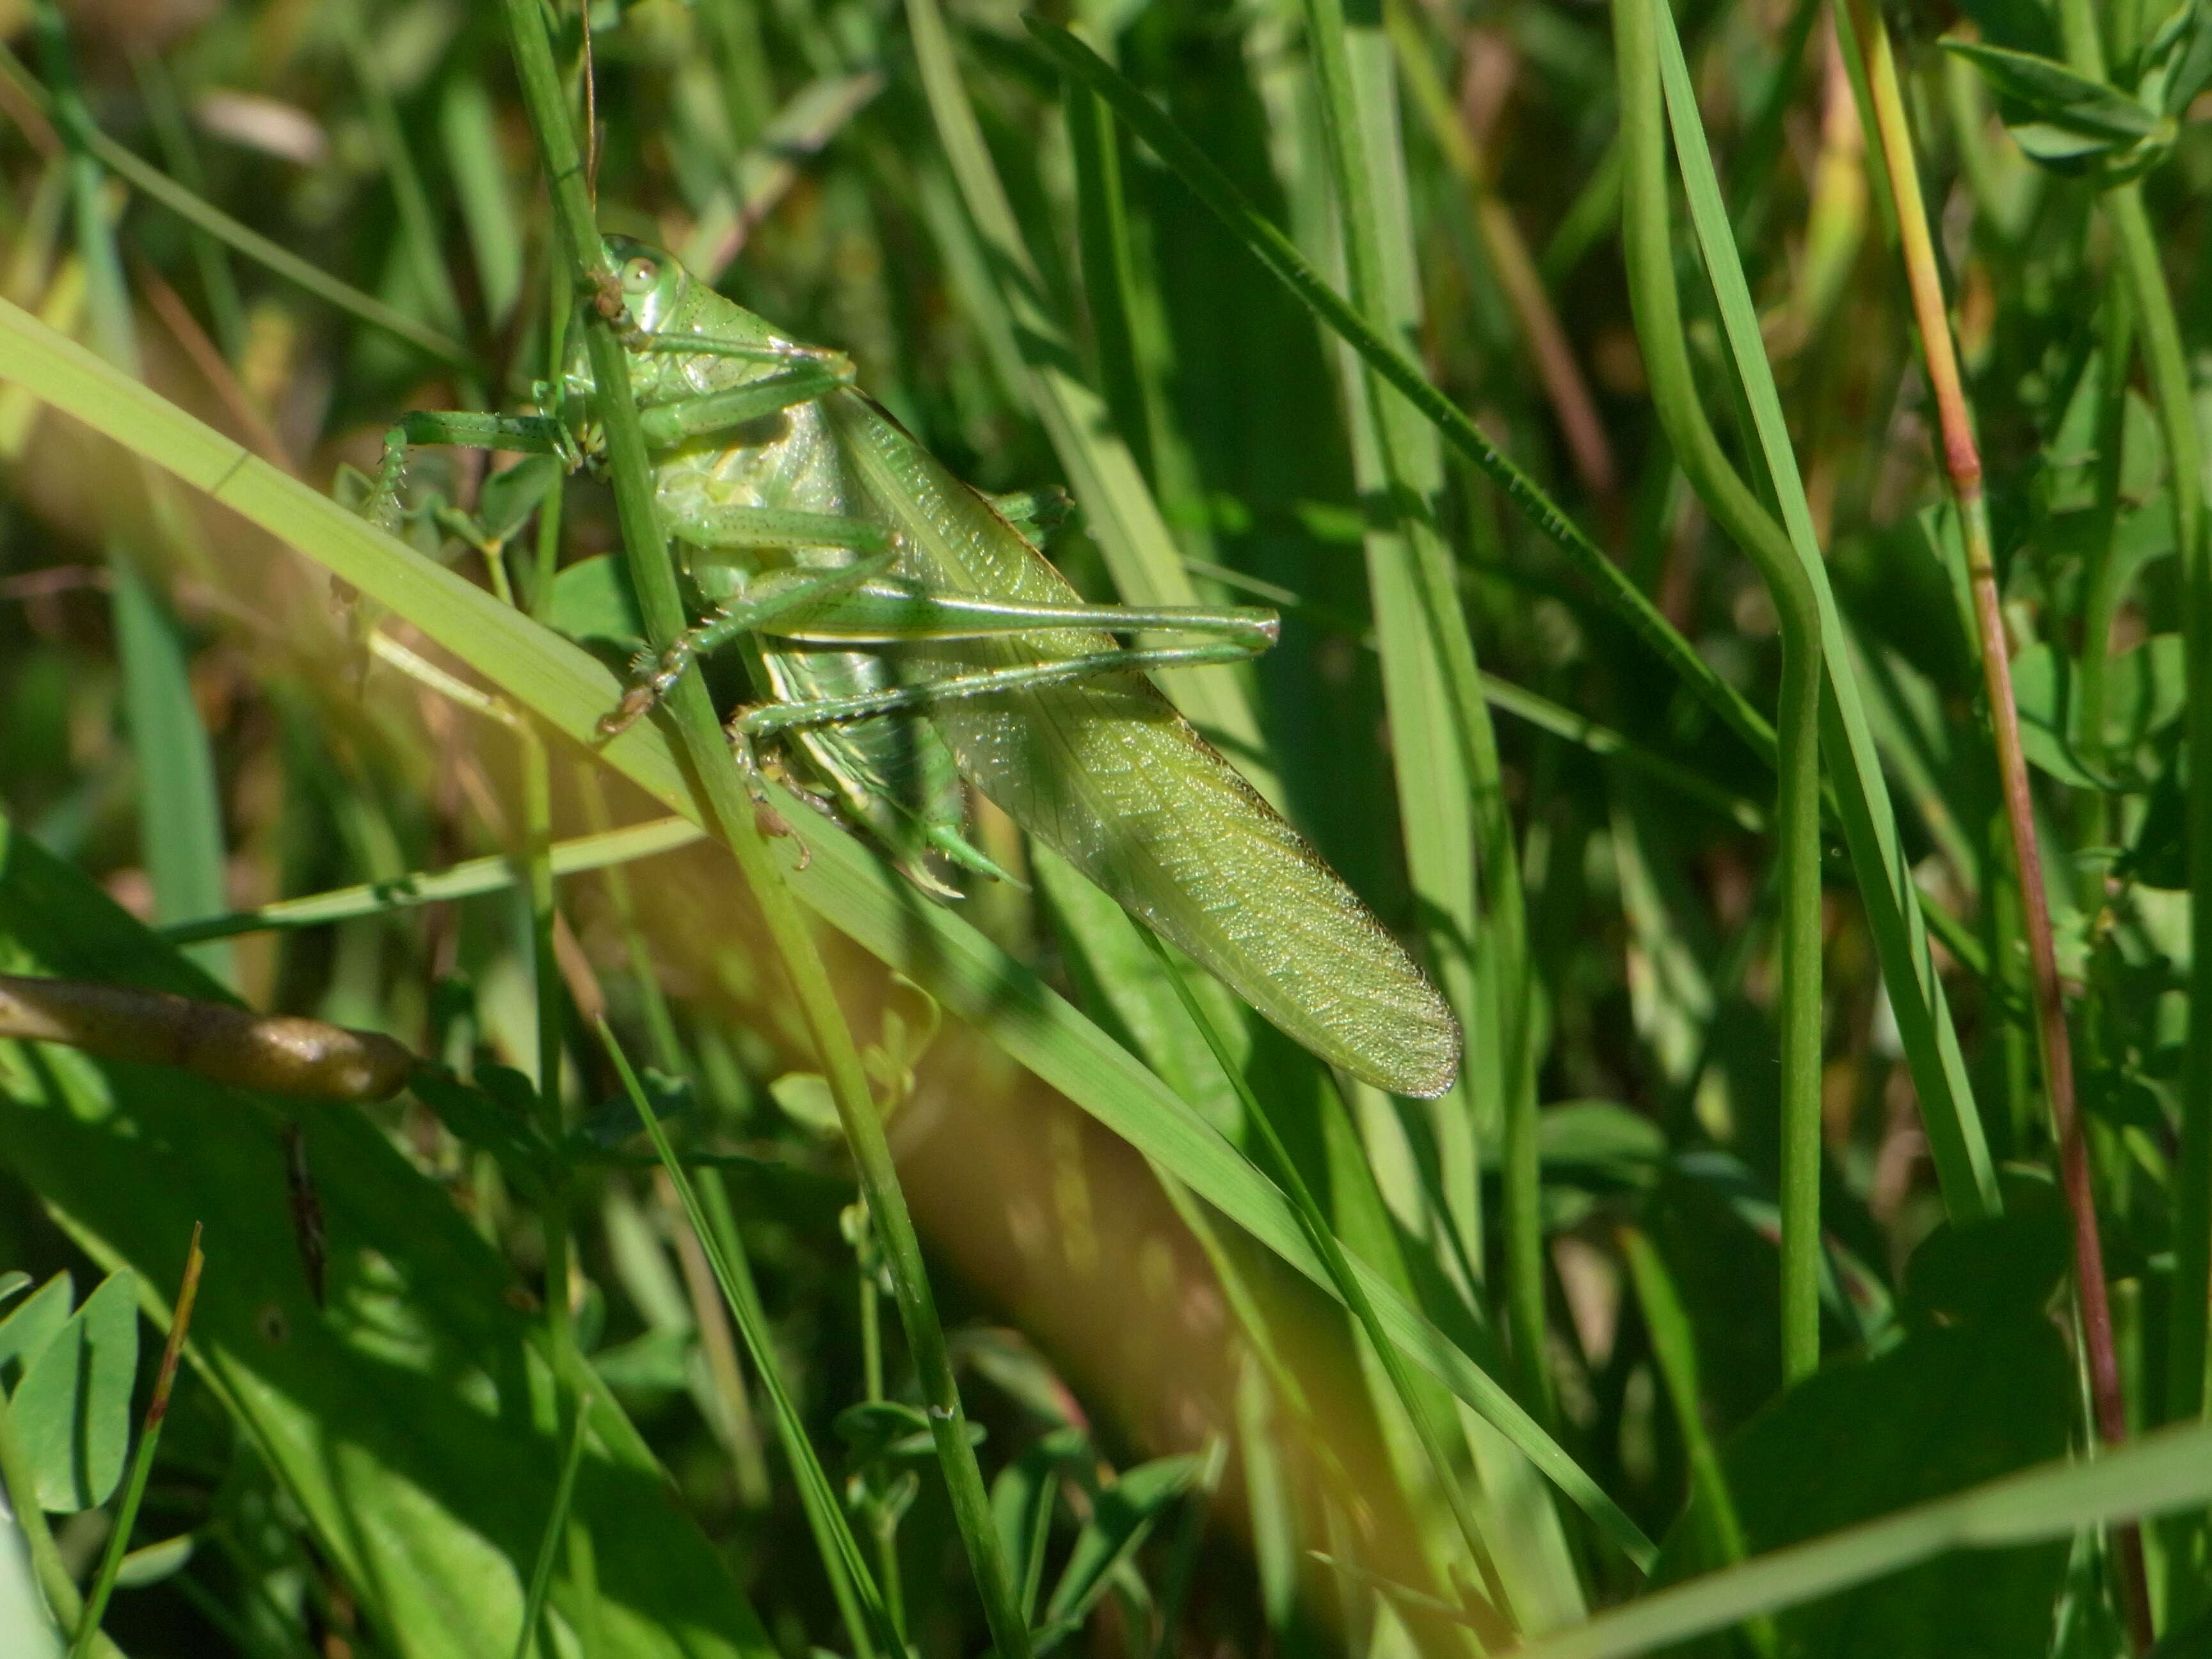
(1732,486)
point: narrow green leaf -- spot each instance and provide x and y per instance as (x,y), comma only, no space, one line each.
(1122,1517)
(143,175)
(1023,1499)
(468,125)
(1282,259)
(1885,885)
(151,1564)
(2169,1470)
(486,875)
(2055,94)
(179,813)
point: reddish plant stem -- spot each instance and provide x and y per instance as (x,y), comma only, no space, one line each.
(1962,461)
(180,1323)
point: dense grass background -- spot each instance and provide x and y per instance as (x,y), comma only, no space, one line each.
(1526,745)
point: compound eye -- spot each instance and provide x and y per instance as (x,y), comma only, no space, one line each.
(639,275)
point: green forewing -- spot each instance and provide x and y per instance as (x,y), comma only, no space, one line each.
(1107,774)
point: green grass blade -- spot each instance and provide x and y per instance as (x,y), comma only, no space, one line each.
(1109,276)
(718,788)
(143,175)
(180,815)
(1451,794)
(1575,727)
(1281,258)
(1674,1347)
(179,810)
(1347,1285)
(761,177)
(605,850)
(2167,1470)
(418,229)
(468,125)
(1892,899)
(217,283)
(1676,400)
(867,1621)
(557,1525)
(1444,753)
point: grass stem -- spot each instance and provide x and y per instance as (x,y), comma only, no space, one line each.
(142,1460)
(1962,462)
(556,1520)
(1659,330)
(868,1622)
(653,577)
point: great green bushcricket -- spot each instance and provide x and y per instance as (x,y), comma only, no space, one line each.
(904,633)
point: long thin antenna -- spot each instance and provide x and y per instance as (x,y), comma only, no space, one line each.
(590,111)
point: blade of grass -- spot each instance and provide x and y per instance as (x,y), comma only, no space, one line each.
(550,1003)
(2167,366)
(1282,259)
(180,810)
(1886,885)
(1893,902)
(1588,218)
(1441,739)
(569,689)
(2161,1472)
(1183,1553)
(218,284)
(468,125)
(1444,753)
(556,1522)
(418,229)
(1674,1347)
(867,1621)
(1641,30)
(607,850)
(1546,340)
(1108,279)
(653,575)
(748,1464)
(1518,701)
(1587,734)
(143,175)
(763,174)
(1962,461)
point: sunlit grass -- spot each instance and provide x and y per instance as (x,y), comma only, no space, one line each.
(1728,1119)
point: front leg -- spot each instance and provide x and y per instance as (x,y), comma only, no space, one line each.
(532,435)
(788,591)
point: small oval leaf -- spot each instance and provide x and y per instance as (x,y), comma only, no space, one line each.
(73,1411)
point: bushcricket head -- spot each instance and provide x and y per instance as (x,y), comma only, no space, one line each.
(653,280)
